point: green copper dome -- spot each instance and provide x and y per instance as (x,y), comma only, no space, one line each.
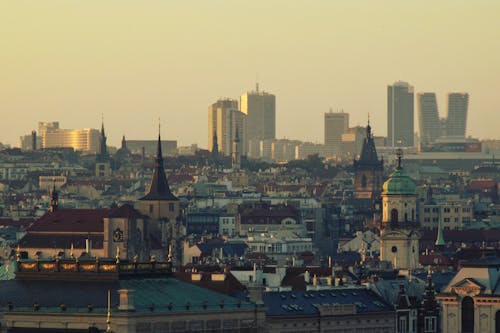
(399,183)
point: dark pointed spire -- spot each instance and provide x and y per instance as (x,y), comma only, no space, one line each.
(124,143)
(159,189)
(368,151)
(54,198)
(215,146)
(103,151)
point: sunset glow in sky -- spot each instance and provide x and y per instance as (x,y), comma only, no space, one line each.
(135,61)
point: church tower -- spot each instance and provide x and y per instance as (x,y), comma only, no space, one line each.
(102,163)
(163,207)
(159,202)
(399,238)
(368,170)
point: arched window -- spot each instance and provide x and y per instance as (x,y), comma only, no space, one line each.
(406,217)
(413,215)
(468,315)
(363,181)
(394,215)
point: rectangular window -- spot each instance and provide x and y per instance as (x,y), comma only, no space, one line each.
(171,207)
(430,324)
(151,208)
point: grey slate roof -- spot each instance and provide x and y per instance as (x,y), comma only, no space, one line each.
(306,303)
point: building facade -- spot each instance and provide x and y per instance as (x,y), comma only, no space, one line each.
(260,109)
(456,122)
(428,118)
(336,124)
(400,115)
(226,122)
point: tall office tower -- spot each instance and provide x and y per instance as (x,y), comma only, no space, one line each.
(336,124)
(260,108)
(456,122)
(224,119)
(400,115)
(428,118)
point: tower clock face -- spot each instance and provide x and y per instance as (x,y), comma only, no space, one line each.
(394,249)
(118,235)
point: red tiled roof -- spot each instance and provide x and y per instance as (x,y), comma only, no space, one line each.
(481,184)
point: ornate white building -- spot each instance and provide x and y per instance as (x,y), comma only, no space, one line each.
(399,236)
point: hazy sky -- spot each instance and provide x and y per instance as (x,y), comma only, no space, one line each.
(135,61)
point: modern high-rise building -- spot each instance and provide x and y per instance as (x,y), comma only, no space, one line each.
(456,121)
(336,124)
(86,140)
(224,120)
(428,118)
(400,115)
(260,109)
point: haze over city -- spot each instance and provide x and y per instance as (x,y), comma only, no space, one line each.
(134,62)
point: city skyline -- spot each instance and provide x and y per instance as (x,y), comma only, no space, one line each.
(159,61)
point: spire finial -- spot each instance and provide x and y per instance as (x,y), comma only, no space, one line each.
(368,118)
(399,154)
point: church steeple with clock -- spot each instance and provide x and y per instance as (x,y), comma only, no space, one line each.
(399,237)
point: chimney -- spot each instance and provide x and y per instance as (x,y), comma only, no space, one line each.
(126,300)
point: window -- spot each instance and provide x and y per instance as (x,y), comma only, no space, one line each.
(402,328)
(468,315)
(171,207)
(151,208)
(363,181)
(430,324)
(394,215)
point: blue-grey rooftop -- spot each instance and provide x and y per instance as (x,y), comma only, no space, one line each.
(307,303)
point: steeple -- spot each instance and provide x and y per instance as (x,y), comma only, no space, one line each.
(102,154)
(124,143)
(368,152)
(159,189)
(440,238)
(215,147)
(54,199)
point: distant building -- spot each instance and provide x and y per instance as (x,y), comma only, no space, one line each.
(149,147)
(352,141)
(428,118)
(260,109)
(224,121)
(336,124)
(86,140)
(400,115)
(456,122)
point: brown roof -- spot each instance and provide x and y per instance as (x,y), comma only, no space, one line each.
(126,211)
(71,220)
